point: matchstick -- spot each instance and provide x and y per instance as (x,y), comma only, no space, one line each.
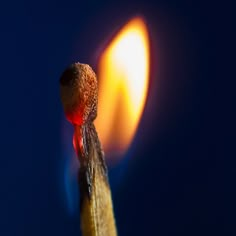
(79,95)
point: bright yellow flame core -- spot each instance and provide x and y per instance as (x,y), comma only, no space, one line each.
(123,74)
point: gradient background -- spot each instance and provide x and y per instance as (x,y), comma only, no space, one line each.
(179,175)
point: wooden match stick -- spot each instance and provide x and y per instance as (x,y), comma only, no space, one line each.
(79,95)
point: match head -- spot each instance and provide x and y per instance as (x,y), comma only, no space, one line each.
(79,93)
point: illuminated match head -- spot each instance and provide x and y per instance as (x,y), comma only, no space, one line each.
(79,93)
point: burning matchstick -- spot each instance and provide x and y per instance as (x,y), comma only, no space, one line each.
(79,95)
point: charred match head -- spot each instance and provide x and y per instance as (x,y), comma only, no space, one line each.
(79,93)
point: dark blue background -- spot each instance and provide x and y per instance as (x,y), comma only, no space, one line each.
(181,177)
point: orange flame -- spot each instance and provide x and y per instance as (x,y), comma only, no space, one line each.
(123,73)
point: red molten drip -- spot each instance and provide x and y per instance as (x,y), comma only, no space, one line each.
(74,117)
(77,140)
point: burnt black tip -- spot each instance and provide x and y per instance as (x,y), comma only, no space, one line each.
(69,75)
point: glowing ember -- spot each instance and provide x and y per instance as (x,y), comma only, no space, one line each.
(123,74)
